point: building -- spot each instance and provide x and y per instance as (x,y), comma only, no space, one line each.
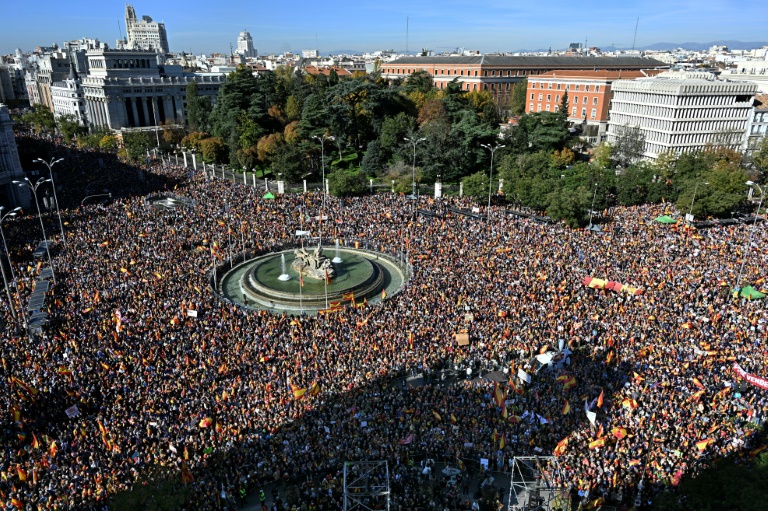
(498,73)
(589,94)
(51,67)
(245,45)
(11,195)
(757,128)
(310,54)
(129,89)
(144,34)
(67,97)
(682,111)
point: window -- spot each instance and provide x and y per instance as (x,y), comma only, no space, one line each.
(557,98)
(533,85)
(597,88)
(576,86)
(541,96)
(532,96)
(586,88)
(573,112)
(547,108)
(584,112)
(550,85)
(594,113)
(557,107)
(538,109)
(594,101)
(567,86)
(549,97)
(558,86)
(575,100)
(530,107)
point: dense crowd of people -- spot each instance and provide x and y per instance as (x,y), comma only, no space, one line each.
(209,397)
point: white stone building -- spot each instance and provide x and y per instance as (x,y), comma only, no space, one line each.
(245,45)
(67,97)
(144,34)
(129,89)
(757,129)
(682,112)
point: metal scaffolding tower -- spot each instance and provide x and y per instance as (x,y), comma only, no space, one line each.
(366,485)
(537,484)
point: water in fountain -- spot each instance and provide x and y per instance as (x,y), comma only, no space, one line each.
(283,275)
(337,259)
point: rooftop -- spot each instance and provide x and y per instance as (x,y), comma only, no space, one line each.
(563,62)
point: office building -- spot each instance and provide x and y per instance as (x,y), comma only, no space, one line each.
(682,111)
(144,33)
(245,45)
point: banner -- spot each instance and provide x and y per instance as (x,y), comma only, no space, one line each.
(523,375)
(751,378)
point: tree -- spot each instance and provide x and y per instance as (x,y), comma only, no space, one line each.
(563,158)
(393,131)
(563,110)
(345,183)
(519,97)
(194,140)
(760,156)
(402,175)
(290,160)
(433,110)
(108,143)
(69,126)
(418,81)
(268,146)
(629,145)
(372,163)
(476,185)
(136,144)
(198,108)
(213,149)
(544,131)
(40,119)
(570,205)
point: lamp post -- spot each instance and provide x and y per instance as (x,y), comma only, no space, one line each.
(414,143)
(490,177)
(592,207)
(751,232)
(33,188)
(690,211)
(11,213)
(53,185)
(322,162)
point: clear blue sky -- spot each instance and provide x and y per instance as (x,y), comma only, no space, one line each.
(490,25)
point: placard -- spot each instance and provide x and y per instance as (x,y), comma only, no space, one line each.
(462,339)
(72,411)
(523,376)
(192,313)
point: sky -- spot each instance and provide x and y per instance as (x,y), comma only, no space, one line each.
(203,27)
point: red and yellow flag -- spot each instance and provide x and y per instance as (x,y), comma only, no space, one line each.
(314,389)
(600,442)
(561,445)
(600,399)
(566,408)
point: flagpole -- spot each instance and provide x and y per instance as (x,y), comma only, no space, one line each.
(326,289)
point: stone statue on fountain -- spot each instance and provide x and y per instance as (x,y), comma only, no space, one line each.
(313,265)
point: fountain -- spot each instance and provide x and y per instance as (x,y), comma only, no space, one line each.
(337,259)
(283,275)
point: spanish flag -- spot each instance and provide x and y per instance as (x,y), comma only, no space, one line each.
(350,297)
(314,389)
(634,462)
(561,445)
(701,445)
(21,472)
(383,294)
(503,441)
(755,452)
(186,475)
(600,399)
(298,392)
(453,419)
(600,442)
(35,443)
(17,503)
(301,280)
(437,415)
(335,305)
(327,277)
(619,432)
(698,383)
(566,408)
(206,422)
(495,436)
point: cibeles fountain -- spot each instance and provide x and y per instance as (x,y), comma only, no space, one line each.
(299,280)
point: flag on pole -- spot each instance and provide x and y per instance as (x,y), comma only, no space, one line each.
(383,294)
(301,280)
(600,399)
(566,408)
(327,277)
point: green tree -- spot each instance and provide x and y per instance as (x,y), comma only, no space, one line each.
(40,119)
(476,185)
(519,97)
(240,93)
(198,108)
(570,205)
(345,183)
(108,143)
(563,110)
(629,146)
(136,145)
(418,81)
(393,130)
(290,160)
(372,163)
(760,156)
(69,126)
(544,131)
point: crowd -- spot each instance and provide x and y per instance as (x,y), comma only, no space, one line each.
(208,397)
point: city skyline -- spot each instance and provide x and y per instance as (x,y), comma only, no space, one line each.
(498,26)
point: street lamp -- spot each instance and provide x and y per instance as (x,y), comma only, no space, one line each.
(592,208)
(33,189)
(751,232)
(11,213)
(53,185)
(322,160)
(690,211)
(414,143)
(490,176)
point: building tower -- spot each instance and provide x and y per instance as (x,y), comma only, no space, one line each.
(245,45)
(144,34)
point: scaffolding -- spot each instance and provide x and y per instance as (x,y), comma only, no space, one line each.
(537,484)
(366,485)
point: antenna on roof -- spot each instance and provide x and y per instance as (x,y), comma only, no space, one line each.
(120,29)
(635,38)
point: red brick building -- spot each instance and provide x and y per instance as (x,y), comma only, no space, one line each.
(589,93)
(498,73)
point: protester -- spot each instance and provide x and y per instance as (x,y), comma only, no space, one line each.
(209,397)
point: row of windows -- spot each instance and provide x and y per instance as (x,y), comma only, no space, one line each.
(469,72)
(667,99)
(574,100)
(688,113)
(721,126)
(568,86)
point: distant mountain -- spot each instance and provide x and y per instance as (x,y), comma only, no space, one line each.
(342,52)
(732,45)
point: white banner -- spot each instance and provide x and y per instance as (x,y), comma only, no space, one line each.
(523,375)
